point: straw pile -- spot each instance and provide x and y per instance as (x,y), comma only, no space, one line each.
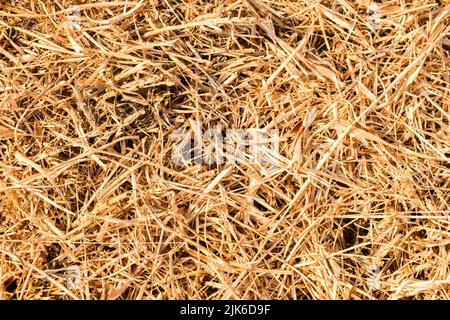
(92,205)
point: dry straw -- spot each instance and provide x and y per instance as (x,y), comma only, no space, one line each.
(92,207)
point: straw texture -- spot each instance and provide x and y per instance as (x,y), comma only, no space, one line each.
(92,205)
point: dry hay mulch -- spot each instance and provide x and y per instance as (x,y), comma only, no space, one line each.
(92,206)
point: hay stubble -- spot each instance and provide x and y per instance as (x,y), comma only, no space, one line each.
(92,207)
